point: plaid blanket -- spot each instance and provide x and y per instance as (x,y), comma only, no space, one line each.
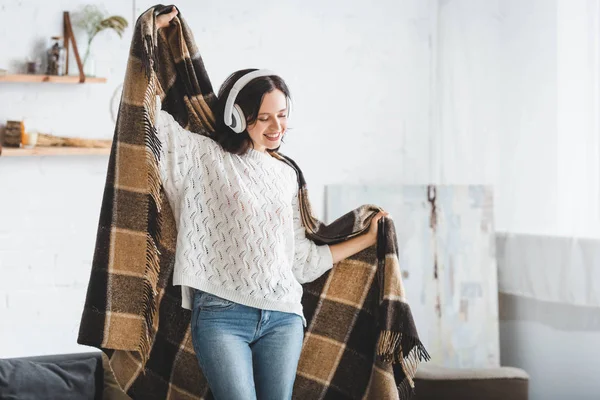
(361,341)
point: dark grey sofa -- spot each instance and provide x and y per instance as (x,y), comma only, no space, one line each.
(80,374)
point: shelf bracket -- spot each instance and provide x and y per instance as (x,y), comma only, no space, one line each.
(70,37)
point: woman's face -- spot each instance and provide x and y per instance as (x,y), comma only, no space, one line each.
(271,123)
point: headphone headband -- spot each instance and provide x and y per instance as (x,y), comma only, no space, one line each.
(237,87)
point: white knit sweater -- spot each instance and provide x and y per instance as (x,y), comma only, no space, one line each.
(239,234)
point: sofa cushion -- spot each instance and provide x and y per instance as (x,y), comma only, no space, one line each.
(67,380)
(434,382)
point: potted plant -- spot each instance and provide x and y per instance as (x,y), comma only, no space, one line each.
(93,20)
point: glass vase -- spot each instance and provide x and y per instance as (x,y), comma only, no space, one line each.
(89,65)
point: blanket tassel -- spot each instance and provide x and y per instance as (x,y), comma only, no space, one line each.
(390,348)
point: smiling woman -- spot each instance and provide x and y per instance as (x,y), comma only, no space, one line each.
(236,212)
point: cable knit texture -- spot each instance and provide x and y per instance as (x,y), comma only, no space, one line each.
(239,233)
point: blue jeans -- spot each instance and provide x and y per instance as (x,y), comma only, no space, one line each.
(245,353)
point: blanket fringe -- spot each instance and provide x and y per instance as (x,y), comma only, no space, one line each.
(390,349)
(154,222)
(388,341)
(151,281)
(152,272)
(406,389)
(390,345)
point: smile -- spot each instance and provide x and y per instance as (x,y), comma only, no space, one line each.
(274,136)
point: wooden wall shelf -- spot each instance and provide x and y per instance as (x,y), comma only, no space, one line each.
(48,78)
(81,78)
(54,151)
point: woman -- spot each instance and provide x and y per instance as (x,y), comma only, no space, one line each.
(242,253)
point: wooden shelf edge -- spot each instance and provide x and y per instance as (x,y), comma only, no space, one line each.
(54,151)
(35,78)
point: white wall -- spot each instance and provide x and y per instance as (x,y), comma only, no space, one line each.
(578,117)
(48,220)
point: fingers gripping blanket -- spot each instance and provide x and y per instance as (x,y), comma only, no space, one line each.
(361,341)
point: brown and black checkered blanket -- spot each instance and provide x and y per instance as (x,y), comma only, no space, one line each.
(361,341)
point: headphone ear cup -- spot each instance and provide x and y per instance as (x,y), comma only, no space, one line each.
(238,119)
(289,106)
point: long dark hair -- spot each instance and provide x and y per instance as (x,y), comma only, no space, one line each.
(249,99)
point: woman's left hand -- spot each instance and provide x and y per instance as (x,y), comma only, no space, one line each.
(347,248)
(372,233)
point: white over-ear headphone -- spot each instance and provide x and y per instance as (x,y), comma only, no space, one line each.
(233,114)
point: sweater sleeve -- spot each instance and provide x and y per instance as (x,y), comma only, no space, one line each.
(310,260)
(174,150)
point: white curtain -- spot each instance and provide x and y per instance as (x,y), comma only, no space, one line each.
(515,104)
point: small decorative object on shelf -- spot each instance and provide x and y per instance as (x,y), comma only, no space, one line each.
(13,133)
(29,139)
(57,57)
(33,66)
(47,140)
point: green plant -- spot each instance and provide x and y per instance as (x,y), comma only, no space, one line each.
(93,20)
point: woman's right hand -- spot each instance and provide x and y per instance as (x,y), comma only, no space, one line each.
(163,20)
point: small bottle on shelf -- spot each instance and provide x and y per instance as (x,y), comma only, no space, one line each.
(56,57)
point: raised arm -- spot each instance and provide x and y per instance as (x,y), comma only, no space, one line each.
(174,152)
